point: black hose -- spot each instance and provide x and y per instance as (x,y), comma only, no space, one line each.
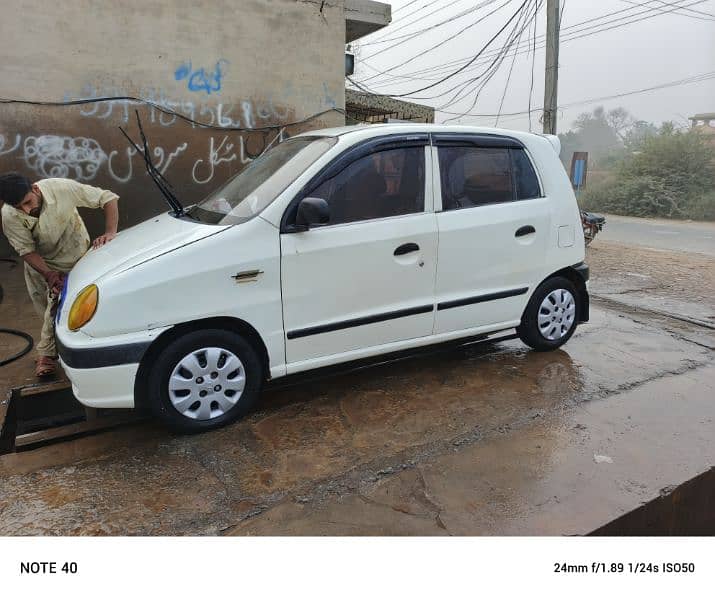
(25,350)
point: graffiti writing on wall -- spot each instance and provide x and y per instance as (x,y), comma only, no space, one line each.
(245,113)
(56,156)
(201,154)
(83,158)
(199,80)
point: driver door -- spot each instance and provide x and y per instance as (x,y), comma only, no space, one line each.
(365,279)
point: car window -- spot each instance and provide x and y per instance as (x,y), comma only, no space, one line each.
(383,184)
(255,187)
(527,183)
(474,176)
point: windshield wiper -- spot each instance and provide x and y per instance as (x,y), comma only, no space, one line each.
(164,186)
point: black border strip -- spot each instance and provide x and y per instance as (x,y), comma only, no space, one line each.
(396,314)
(107,356)
(479,140)
(484,298)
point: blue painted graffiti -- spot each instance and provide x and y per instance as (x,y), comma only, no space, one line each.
(198,80)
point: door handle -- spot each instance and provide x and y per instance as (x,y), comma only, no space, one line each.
(406,249)
(525,230)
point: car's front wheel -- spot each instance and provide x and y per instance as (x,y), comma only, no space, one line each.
(203,380)
(551,315)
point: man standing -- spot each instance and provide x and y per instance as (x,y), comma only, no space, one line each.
(43,226)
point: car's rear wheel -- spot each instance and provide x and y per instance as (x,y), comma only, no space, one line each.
(551,315)
(203,380)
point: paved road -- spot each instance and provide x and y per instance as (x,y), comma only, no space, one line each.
(661,234)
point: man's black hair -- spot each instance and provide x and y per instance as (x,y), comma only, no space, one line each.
(13,188)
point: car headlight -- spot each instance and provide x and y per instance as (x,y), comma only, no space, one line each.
(83,308)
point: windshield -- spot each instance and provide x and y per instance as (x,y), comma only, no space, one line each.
(244,196)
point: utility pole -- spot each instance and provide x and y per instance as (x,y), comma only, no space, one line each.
(551,81)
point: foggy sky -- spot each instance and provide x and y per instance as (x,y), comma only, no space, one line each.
(657,50)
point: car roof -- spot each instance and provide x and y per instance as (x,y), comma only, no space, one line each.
(366,131)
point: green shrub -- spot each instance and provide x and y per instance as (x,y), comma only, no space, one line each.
(672,175)
(702,208)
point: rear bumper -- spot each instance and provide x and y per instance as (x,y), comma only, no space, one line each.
(583,272)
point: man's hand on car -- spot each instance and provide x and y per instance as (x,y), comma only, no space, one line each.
(103,239)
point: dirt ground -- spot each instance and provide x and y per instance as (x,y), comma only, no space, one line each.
(675,282)
(490,439)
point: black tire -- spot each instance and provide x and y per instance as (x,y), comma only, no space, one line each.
(169,359)
(529,331)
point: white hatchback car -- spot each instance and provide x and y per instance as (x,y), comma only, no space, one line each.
(335,245)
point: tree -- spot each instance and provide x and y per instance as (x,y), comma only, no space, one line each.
(620,121)
(599,133)
(638,133)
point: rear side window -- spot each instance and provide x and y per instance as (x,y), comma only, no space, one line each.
(383,184)
(527,183)
(474,176)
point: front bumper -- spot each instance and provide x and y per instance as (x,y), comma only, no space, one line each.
(104,387)
(103,373)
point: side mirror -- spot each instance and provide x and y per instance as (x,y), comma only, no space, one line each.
(311,211)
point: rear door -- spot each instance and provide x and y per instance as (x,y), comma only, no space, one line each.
(366,278)
(494,225)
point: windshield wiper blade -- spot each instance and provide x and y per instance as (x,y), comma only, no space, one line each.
(164,186)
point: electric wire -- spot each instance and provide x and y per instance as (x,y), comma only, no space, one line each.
(451,19)
(576,27)
(424,88)
(389,30)
(446,66)
(575,31)
(612,26)
(491,71)
(704,16)
(404,6)
(685,81)
(508,77)
(533,60)
(442,43)
(168,111)
(519,26)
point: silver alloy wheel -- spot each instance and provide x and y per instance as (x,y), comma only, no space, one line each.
(207,383)
(557,314)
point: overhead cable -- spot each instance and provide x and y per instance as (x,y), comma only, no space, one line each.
(686,81)
(168,111)
(575,31)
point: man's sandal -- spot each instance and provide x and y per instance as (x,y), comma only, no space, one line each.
(45,366)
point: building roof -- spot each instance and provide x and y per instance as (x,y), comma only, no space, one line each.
(702,117)
(372,108)
(363,17)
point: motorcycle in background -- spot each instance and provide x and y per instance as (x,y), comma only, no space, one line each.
(592,224)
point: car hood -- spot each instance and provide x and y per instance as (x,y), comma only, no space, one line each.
(139,244)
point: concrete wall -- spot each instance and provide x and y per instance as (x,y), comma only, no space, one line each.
(244,63)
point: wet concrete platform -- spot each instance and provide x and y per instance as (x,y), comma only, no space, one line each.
(479,440)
